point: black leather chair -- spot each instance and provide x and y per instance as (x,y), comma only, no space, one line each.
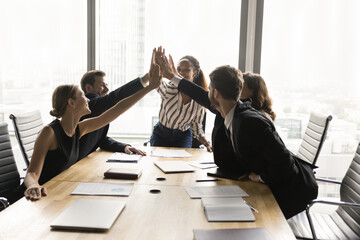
(9,175)
(27,126)
(344,222)
(314,137)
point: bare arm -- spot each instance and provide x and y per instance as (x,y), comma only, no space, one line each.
(44,142)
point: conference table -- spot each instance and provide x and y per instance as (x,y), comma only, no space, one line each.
(170,214)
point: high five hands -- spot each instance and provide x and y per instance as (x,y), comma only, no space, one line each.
(167,66)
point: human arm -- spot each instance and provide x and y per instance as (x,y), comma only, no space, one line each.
(45,141)
(91,124)
(191,89)
(110,144)
(197,129)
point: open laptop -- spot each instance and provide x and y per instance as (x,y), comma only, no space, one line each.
(89,214)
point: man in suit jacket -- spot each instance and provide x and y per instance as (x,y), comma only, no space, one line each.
(95,88)
(245,141)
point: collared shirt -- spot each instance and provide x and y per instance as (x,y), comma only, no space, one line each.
(174,114)
(228,123)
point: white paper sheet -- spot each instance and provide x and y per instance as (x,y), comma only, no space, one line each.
(103,189)
(158,152)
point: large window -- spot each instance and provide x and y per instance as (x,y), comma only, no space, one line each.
(42,45)
(130,29)
(310,61)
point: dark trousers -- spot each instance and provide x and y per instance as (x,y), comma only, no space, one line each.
(166,137)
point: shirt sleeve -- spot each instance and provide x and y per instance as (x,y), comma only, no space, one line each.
(167,89)
(197,127)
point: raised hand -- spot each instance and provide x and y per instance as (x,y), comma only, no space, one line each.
(173,66)
(154,72)
(164,64)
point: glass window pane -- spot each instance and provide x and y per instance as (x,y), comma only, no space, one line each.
(130,29)
(43,45)
(310,61)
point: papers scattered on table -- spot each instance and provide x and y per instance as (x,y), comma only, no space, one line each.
(227,210)
(215,191)
(174,166)
(232,234)
(103,189)
(124,157)
(170,153)
(203,164)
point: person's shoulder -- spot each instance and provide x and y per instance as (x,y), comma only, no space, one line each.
(250,117)
(47,132)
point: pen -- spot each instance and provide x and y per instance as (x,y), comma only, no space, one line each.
(251,206)
(207,163)
(208,180)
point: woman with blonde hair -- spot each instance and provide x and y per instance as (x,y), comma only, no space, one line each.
(57,145)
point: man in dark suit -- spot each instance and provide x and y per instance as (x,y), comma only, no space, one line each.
(245,141)
(95,88)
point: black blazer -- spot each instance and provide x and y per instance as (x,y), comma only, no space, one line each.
(258,148)
(98,138)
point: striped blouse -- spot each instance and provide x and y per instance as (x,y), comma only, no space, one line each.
(176,115)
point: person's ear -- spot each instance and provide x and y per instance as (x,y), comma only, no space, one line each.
(89,88)
(195,74)
(217,94)
(71,102)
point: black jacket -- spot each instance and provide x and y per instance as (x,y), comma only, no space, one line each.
(258,148)
(98,138)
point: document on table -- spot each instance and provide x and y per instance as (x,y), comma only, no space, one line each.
(215,191)
(232,234)
(227,210)
(124,157)
(174,166)
(158,152)
(203,164)
(103,189)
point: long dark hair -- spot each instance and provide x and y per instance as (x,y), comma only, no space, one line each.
(261,100)
(199,79)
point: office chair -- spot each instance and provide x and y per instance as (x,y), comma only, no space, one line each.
(9,175)
(26,127)
(344,222)
(314,137)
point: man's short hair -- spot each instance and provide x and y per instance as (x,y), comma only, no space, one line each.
(228,81)
(89,78)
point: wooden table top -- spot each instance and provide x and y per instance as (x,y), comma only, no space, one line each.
(172,214)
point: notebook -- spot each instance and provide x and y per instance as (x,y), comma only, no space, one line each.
(123,173)
(232,234)
(174,166)
(89,214)
(124,157)
(227,210)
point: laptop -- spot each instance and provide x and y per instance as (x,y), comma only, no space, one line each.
(89,214)
(174,166)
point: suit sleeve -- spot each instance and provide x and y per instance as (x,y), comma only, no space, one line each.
(197,93)
(99,105)
(266,147)
(111,145)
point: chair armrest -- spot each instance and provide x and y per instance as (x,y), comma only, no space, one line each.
(328,180)
(338,203)
(4,202)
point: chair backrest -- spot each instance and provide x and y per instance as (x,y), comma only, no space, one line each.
(350,192)
(9,174)
(27,126)
(314,137)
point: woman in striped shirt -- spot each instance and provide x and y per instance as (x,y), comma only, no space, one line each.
(180,117)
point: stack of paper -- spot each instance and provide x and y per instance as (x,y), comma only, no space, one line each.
(174,166)
(170,153)
(227,210)
(216,191)
(103,189)
(123,157)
